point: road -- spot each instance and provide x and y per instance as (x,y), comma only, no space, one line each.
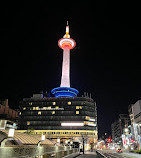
(88,155)
(114,154)
(110,154)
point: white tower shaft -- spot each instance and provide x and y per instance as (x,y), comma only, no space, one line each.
(65,79)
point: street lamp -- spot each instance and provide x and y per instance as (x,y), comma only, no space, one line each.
(84,138)
(42,139)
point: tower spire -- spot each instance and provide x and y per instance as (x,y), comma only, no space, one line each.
(67,35)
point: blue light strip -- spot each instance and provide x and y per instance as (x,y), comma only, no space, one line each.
(64,92)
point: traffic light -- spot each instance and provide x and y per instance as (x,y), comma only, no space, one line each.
(109,139)
(132,140)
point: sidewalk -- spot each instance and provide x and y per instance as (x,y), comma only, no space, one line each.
(87,155)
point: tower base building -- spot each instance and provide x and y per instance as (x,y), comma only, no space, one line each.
(61,118)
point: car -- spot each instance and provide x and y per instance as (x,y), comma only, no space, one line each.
(119,150)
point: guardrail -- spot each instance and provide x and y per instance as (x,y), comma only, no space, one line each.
(100,155)
(34,151)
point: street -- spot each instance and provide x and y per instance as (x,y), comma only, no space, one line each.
(110,154)
(88,155)
(114,154)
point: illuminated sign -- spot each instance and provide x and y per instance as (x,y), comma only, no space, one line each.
(89,123)
(72,124)
(47,108)
(89,118)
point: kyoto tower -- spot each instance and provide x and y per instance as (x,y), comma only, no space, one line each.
(66,43)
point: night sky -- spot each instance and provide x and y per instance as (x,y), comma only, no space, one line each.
(106,61)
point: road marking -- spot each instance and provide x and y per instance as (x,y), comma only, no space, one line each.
(112,155)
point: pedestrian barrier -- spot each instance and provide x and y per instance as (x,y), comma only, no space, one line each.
(100,155)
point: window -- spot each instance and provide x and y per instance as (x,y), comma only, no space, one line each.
(57,107)
(77,112)
(28,123)
(39,112)
(24,108)
(30,103)
(49,107)
(20,113)
(53,112)
(37,108)
(78,107)
(54,103)
(69,103)
(34,108)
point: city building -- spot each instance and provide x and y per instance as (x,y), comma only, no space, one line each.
(135,117)
(61,117)
(8,116)
(65,116)
(118,127)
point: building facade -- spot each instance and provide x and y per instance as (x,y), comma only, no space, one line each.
(8,116)
(135,117)
(118,127)
(59,117)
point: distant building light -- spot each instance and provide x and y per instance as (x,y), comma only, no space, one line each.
(77,112)
(91,124)
(53,112)
(28,123)
(91,119)
(69,103)
(54,103)
(78,107)
(39,112)
(72,124)
(37,108)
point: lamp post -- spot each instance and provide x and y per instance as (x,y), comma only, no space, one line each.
(42,139)
(84,138)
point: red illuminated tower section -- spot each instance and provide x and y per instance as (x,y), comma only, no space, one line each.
(66,43)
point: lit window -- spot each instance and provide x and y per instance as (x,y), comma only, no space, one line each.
(34,108)
(77,112)
(80,107)
(24,108)
(37,108)
(53,112)
(77,107)
(57,107)
(28,123)
(69,103)
(20,113)
(30,103)
(39,112)
(54,103)
(49,107)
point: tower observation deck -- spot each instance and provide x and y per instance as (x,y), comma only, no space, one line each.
(66,43)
